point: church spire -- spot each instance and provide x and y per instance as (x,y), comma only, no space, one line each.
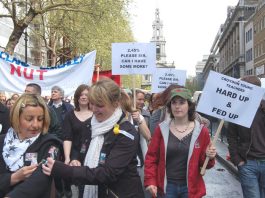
(159,38)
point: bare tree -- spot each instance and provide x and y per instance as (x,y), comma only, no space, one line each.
(69,27)
(22,13)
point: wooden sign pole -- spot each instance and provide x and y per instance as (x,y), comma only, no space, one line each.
(134,92)
(213,142)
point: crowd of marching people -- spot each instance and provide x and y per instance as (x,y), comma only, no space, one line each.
(110,142)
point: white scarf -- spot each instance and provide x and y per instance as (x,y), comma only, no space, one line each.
(92,156)
(14,149)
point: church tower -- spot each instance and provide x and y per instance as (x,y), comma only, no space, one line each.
(159,39)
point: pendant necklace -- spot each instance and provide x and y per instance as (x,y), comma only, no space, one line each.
(182,131)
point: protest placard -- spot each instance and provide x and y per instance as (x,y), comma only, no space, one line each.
(230,99)
(163,77)
(133,58)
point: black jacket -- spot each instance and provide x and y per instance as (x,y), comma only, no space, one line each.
(240,138)
(59,116)
(117,173)
(4,118)
(55,127)
(38,184)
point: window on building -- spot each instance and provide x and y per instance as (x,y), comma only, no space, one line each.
(249,35)
(158,50)
(249,55)
(246,37)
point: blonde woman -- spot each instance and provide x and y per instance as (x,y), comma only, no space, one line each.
(110,163)
(24,147)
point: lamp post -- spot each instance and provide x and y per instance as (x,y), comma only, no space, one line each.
(26,45)
(26,38)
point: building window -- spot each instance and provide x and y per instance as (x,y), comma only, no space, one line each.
(158,50)
(249,55)
(249,35)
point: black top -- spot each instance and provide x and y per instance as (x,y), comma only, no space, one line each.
(55,127)
(60,113)
(38,184)
(177,158)
(76,130)
(248,143)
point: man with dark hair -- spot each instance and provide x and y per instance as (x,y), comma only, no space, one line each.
(33,88)
(247,150)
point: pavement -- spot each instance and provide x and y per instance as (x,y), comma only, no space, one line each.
(220,183)
(222,146)
(222,151)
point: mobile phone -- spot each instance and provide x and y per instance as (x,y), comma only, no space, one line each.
(43,161)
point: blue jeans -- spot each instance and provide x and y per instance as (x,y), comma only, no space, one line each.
(175,191)
(252,178)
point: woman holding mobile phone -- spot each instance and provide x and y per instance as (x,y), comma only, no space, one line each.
(23,149)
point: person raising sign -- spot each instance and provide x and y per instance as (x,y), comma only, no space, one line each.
(177,150)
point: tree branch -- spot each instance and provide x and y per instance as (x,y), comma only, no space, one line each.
(14,11)
(48,8)
(72,10)
(5,15)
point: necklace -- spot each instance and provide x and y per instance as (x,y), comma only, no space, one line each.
(182,131)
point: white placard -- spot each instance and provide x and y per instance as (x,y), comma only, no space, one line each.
(163,77)
(230,99)
(133,58)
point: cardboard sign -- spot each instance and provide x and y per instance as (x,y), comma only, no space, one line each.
(163,77)
(133,58)
(230,99)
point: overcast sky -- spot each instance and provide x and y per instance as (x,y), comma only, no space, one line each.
(190,27)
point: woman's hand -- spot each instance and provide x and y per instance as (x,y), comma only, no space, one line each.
(47,167)
(153,190)
(136,116)
(211,151)
(23,173)
(75,163)
(67,161)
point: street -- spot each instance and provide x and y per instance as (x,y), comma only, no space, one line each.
(221,184)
